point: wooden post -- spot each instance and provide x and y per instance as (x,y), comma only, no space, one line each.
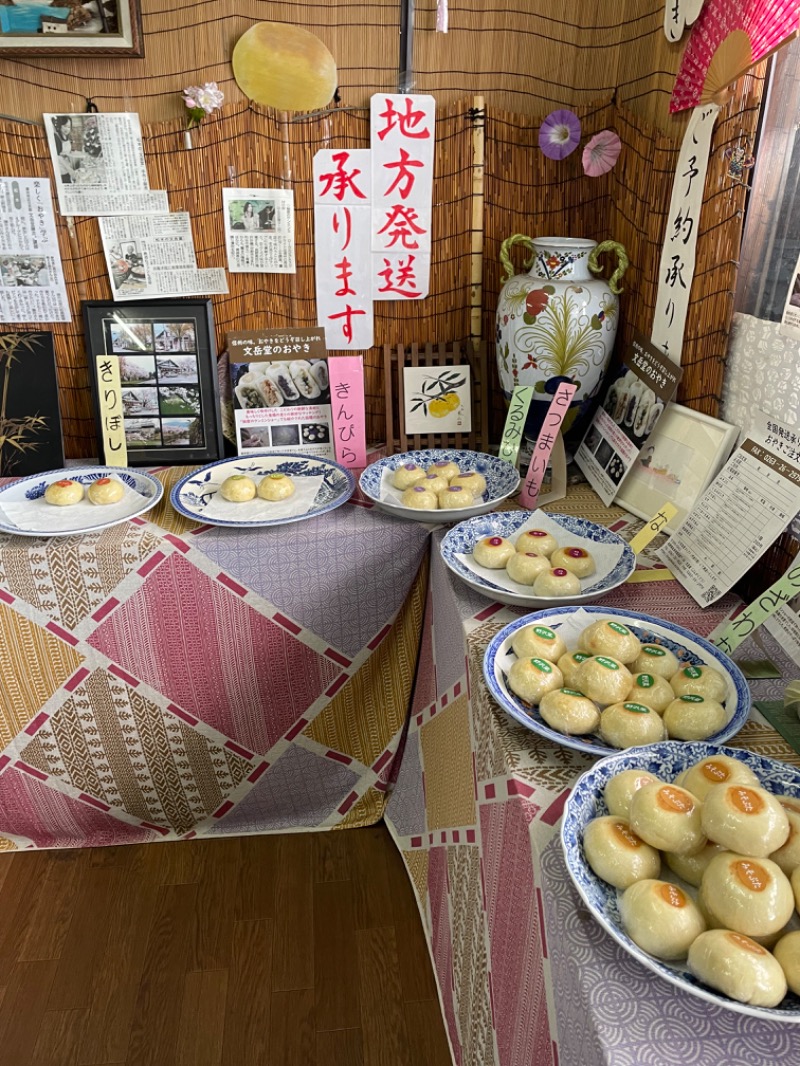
(476,272)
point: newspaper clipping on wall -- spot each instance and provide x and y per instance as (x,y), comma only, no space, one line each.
(99,165)
(31,275)
(149,256)
(259,230)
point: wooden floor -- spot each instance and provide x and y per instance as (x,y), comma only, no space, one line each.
(294,950)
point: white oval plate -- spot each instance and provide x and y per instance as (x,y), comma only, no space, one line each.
(461,540)
(689,648)
(502,480)
(586,802)
(191,494)
(33,488)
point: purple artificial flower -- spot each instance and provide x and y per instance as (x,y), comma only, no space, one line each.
(559,134)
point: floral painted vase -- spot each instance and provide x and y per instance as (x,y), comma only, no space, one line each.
(558,323)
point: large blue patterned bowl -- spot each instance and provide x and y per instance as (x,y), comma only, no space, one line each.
(586,802)
(461,540)
(191,495)
(687,646)
(502,479)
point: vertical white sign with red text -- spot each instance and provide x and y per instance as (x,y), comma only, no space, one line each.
(342,232)
(402,140)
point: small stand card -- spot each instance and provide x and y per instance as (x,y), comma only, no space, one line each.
(756,613)
(515,423)
(281,391)
(30,421)
(634,401)
(741,513)
(349,420)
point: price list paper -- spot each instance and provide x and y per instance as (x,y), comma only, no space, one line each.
(742,512)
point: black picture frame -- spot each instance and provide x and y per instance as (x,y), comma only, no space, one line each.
(168,371)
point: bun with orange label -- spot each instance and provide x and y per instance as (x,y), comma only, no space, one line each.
(660,918)
(736,965)
(668,817)
(749,895)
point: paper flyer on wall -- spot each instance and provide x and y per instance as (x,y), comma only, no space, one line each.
(99,165)
(639,390)
(32,285)
(153,256)
(742,512)
(259,230)
(281,391)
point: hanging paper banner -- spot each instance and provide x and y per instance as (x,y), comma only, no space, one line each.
(402,185)
(349,422)
(678,14)
(558,408)
(342,194)
(676,269)
(515,423)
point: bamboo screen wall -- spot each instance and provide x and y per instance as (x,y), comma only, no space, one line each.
(614,69)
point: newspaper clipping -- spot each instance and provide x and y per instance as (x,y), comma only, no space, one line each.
(31,276)
(99,165)
(259,230)
(153,256)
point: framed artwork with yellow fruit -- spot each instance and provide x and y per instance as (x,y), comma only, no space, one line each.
(437,399)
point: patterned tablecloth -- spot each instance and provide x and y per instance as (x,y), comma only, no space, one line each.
(162,679)
(525,974)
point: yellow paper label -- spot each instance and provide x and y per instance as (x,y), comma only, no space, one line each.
(112,422)
(652,528)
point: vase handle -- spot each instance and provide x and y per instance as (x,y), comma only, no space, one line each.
(505,258)
(623,262)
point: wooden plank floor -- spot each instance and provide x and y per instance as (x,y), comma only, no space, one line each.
(296,950)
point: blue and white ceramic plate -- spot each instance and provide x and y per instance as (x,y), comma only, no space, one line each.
(33,488)
(190,497)
(461,540)
(502,479)
(586,802)
(687,646)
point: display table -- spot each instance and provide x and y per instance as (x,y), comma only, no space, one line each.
(163,679)
(526,976)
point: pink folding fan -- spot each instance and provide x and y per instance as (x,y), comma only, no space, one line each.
(729,37)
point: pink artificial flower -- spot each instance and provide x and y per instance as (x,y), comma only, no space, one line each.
(201,100)
(601,153)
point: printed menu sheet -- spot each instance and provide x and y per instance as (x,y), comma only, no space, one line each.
(99,165)
(741,513)
(153,256)
(31,275)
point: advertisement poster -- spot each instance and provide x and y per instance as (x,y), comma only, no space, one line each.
(281,396)
(640,388)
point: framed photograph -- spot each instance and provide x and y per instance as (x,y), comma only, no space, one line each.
(437,399)
(74,28)
(677,462)
(168,374)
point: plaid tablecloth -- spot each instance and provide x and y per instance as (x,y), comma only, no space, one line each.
(525,974)
(162,679)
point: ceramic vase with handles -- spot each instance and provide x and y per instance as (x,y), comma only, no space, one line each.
(558,323)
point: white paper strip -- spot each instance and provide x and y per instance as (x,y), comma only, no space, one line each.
(676,269)
(31,275)
(402,138)
(343,261)
(678,14)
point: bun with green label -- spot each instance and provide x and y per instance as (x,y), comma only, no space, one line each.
(531,678)
(694,718)
(628,725)
(653,659)
(699,681)
(538,641)
(604,680)
(569,711)
(607,637)
(651,690)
